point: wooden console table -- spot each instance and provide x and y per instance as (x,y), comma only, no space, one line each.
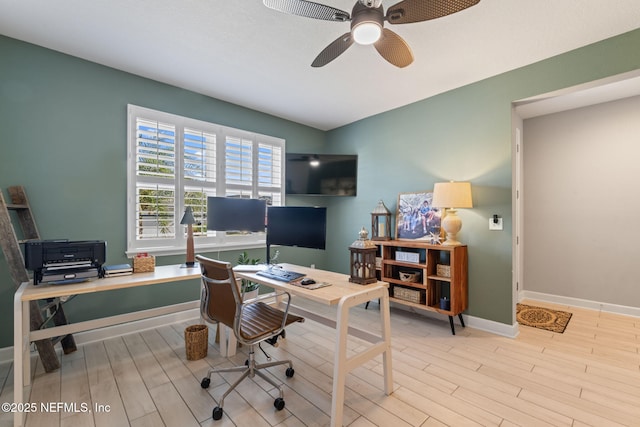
(441,271)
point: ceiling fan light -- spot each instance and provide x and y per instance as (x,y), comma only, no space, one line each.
(366,32)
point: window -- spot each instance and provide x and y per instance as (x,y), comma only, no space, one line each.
(175,162)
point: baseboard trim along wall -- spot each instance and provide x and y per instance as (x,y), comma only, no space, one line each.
(505,330)
(100,334)
(582,303)
(509,331)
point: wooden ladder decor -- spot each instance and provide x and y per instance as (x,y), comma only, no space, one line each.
(11,248)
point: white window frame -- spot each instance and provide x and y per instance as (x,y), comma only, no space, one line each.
(212,241)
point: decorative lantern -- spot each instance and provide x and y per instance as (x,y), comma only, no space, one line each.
(363,260)
(381,222)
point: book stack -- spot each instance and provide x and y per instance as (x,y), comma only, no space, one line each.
(117,270)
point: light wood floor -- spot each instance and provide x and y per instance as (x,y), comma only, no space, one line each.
(588,376)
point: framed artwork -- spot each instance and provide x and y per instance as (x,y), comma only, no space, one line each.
(416,219)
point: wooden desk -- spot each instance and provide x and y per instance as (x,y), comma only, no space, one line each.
(23,336)
(344,295)
(341,293)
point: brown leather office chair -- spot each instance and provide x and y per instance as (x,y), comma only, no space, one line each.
(252,322)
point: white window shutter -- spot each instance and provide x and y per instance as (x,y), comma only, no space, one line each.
(176,162)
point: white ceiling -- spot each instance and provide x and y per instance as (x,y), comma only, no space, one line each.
(242,52)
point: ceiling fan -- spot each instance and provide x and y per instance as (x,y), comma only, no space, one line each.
(367,24)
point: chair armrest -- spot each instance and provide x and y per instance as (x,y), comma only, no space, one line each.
(269,299)
(270,296)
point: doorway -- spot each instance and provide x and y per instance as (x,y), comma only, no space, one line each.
(598,92)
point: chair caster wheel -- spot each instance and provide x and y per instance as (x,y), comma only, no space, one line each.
(279,404)
(205,383)
(246,362)
(289,372)
(217,413)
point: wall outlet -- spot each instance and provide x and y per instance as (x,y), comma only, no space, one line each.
(495,225)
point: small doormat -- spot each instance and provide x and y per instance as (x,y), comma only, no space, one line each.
(542,318)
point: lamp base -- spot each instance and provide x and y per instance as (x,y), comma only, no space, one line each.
(190,265)
(450,242)
(451,224)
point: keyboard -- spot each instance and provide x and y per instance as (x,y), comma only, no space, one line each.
(280,274)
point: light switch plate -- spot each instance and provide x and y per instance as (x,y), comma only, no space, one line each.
(495,225)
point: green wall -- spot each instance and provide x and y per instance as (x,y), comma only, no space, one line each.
(465,134)
(63,137)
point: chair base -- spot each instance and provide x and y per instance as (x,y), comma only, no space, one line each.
(250,369)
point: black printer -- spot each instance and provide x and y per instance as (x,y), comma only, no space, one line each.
(64,261)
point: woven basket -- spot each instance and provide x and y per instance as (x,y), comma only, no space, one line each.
(443,270)
(196,341)
(409,276)
(144,264)
(411,295)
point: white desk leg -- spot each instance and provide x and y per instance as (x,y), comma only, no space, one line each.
(232,343)
(222,339)
(228,341)
(385,318)
(21,361)
(340,364)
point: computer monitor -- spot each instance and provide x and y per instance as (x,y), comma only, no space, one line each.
(235,214)
(301,226)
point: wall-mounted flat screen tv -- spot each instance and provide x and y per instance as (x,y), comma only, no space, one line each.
(321,174)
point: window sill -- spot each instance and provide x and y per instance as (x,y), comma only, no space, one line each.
(216,247)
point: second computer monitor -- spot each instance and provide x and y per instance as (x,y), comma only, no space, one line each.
(301,226)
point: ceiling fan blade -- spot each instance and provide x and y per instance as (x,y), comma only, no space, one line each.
(408,11)
(308,9)
(335,49)
(394,49)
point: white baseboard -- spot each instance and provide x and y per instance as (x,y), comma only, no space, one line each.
(505,330)
(136,326)
(582,303)
(511,331)
(6,353)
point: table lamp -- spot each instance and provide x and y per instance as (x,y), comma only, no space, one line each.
(451,196)
(189,220)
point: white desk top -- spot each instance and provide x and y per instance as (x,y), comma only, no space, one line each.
(162,274)
(330,295)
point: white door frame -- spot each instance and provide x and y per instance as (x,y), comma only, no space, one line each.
(518,212)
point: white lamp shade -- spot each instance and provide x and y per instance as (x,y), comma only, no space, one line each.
(452,195)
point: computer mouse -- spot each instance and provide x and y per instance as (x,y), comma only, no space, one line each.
(307,281)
